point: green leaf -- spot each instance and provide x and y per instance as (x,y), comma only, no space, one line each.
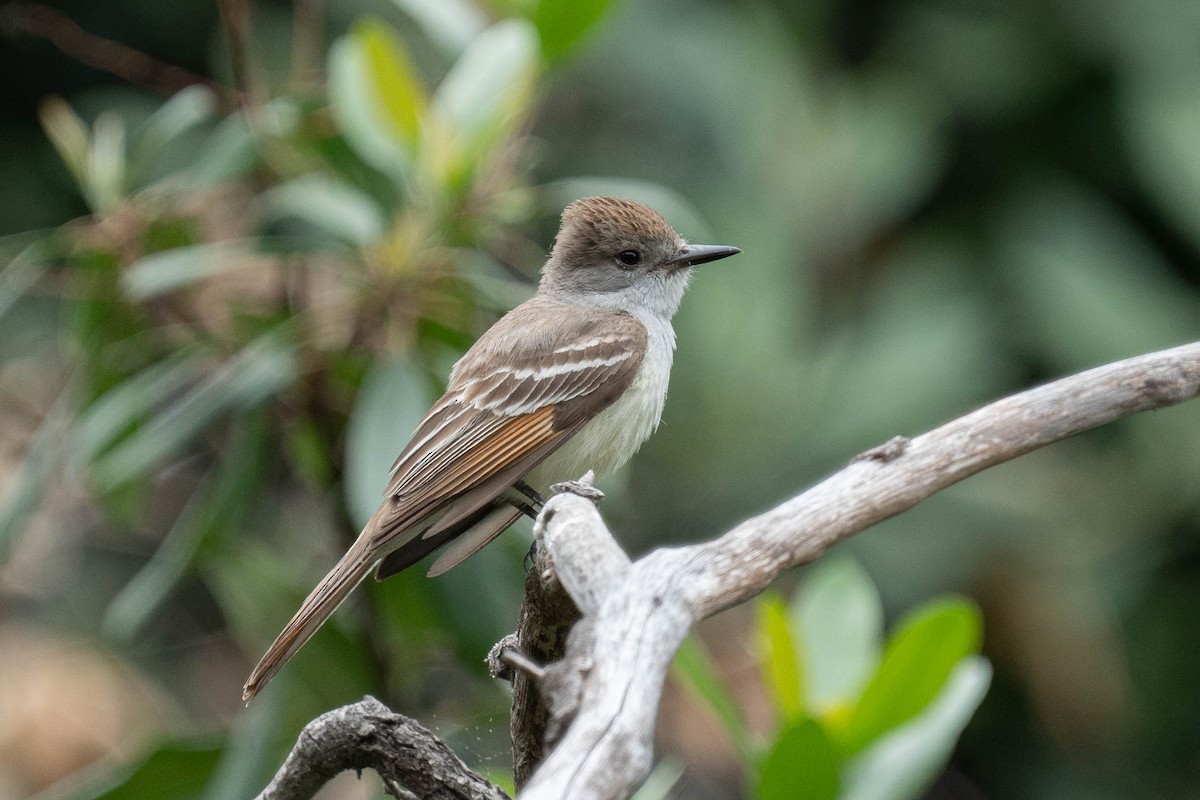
(182,112)
(169,270)
(97,162)
(904,763)
(478,600)
(410,606)
(145,592)
(329,205)
(783,674)
(258,591)
(919,658)
(694,668)
(502,778)
(392,401)
(483,97)
(128,403)
(838,624)
(802,764)
(479,86)
(104,175)
(562,24)
(178,770)
(375,97)
(257,373)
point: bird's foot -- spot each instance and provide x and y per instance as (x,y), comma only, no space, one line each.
(530,560)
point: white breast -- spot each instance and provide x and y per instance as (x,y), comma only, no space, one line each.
(609,440)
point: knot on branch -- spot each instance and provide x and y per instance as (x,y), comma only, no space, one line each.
(889,451)
(584,487)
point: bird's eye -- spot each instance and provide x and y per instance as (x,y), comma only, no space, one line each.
(629,258)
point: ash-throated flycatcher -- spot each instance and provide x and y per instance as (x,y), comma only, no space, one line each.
(573,379)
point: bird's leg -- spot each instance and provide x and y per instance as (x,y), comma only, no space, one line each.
(532,508)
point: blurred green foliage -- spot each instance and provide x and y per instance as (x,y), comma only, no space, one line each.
(852,718)
(221,313)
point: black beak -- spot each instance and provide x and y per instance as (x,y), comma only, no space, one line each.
(695,254)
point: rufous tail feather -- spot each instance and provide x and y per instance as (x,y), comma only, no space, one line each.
(316,608)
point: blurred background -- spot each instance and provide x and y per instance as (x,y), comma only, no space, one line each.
(241,247)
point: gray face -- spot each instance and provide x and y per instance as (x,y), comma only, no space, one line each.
(607,244)
(612,266)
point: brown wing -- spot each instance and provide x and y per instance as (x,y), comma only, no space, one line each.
(487,446)
(514,398)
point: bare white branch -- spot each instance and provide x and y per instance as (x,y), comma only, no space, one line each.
(605,693)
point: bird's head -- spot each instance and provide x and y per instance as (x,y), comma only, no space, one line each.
(621,254)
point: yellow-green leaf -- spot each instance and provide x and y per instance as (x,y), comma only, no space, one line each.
(398,92)
(783,674)
(375,97)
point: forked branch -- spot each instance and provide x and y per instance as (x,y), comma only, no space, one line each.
(602,697)
(604,694)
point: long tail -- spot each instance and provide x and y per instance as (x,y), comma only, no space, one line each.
(316,608)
